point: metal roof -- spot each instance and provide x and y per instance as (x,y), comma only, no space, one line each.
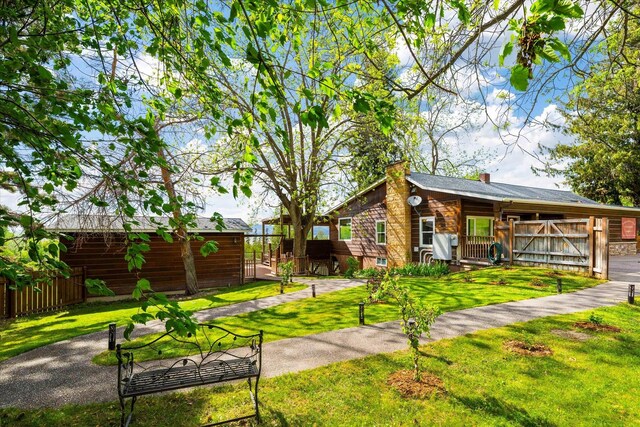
(113,224)
(496,191)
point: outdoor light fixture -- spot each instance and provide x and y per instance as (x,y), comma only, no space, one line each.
(313,290)
(112,336)
(235,240)
(559,285)
(361,313)
(632,294)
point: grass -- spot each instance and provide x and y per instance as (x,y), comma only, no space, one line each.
(590,382)
(20,335)
(339,310)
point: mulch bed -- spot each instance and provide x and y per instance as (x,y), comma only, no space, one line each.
(405,383)
(571,335)
(526,349)
(538,284)
(590,326)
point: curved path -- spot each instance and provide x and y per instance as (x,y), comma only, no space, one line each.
(62,373)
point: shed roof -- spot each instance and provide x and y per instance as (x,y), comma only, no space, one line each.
(113,224)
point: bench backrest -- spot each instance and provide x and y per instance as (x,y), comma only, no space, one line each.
(210,344)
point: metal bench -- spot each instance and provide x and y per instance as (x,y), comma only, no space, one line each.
(215,355)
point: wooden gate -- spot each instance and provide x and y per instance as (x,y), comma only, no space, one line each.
(62,291)
(566,244)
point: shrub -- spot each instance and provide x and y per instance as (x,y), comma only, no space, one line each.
(286,271)
(595,319)
(435,269)
(353,265)
(370,273)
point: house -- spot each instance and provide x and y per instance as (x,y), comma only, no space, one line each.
(382,226)
(97,244)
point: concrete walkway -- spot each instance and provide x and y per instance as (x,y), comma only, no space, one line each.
(62,373)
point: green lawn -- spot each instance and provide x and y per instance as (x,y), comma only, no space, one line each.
(339,310)
(591,381)
(26,333)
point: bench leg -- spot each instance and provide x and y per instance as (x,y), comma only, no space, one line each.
(125,419)
(254,397)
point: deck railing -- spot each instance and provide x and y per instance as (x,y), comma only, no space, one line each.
(300,264)
(476,247)
(250,266)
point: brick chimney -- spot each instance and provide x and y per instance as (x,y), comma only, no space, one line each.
(398,215)
(485,178)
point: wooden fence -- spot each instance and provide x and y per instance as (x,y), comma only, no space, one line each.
(566,244)
(250,260)
(62,291)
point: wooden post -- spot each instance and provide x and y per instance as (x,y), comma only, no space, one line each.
(605,248)
(255,266)
(511,240)
(11,301)
(84,286)
(592,244)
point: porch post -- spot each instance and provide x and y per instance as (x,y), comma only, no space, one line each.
(592,246)
(511,240)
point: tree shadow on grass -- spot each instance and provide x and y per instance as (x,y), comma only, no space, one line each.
(499,408)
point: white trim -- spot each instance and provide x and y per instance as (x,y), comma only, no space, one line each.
(350,226)
(385,232)
(379,263)
(433,219)
(513,217)
(475,217)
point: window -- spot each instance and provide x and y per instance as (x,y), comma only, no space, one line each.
(427,227)
(479,226)
(381,232)
(344,229)
(513,217)
(381,262)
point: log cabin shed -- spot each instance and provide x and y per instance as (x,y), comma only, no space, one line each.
(97,244)
(380,228)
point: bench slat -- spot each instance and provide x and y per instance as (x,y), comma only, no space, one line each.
(147,382)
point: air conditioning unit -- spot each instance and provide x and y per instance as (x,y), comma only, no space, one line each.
(442,246)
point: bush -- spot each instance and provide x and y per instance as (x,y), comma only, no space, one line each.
(353,265)
(370,273)
(435,269)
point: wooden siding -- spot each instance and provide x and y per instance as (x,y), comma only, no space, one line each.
(164,268)
(364,212)
(446,208)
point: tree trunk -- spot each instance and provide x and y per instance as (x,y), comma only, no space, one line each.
(181,232)
(301,229)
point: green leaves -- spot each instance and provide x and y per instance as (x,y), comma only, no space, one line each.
(208,248)
(536,42)
(519,77)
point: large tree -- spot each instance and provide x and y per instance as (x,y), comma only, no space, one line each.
(603,114)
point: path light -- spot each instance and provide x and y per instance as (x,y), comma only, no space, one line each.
(313,290)
(112,336)
(559,285)
(632,294)
(282,287)
(361,313)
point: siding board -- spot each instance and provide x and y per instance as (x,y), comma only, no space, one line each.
(164,267)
